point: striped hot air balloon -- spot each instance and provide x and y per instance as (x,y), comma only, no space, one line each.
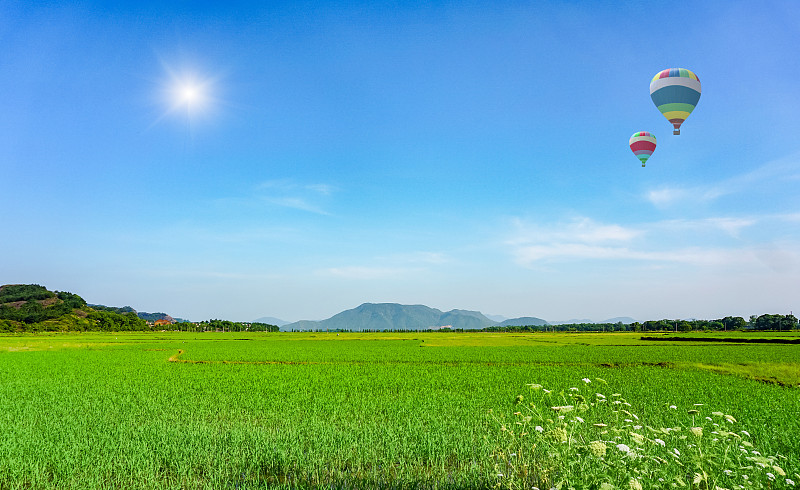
(675,91)
(643,144)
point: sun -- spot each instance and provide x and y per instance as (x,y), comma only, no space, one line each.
(187,95)
(190,95)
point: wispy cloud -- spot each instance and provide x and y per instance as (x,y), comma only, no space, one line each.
(729,225)
(290,194)
(527,255)
(580,230)
(714,241)
(777,171)
(580,238)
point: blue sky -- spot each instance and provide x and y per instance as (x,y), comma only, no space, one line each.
(465,155)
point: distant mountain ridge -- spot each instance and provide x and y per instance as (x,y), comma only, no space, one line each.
(394,316)
(271,320)
(523,322)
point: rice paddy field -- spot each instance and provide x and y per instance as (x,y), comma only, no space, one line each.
(397,410)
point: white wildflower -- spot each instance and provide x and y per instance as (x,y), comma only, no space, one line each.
(624,448)
(770,476)
(673,407)
(659,441)
(538,428)
(579,419)
(573,389)
(730,418)
(790,482)
(586,380)
(600,395)
(598,448)
(745,433)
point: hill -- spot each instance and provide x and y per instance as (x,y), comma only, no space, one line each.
(33,308)
(523,322)
(393,316)
(271,320)
(149,317)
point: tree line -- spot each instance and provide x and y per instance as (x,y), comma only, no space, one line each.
(216,325)
(729,323)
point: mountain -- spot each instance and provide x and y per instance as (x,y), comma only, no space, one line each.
(523,321)
(624,319)
(271,320)
(393,316)
(496,318)
(572,321)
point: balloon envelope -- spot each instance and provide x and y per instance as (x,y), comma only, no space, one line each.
(643,144)
(675,91)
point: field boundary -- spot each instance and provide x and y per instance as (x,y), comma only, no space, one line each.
(175,358)
(723,339)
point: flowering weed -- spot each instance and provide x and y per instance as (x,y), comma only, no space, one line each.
(584,438)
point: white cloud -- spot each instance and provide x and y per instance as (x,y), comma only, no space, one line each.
(581,230)
(776,172)
(299,203)
(665,196)
(664,242)
(287,193)
(731,226)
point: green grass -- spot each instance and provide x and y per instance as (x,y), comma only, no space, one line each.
(343,411)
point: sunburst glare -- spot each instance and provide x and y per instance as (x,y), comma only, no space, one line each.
(187,95)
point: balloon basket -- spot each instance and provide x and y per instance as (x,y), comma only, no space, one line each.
(676,131)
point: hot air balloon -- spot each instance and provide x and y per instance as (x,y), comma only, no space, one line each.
(675,91)
(643,144)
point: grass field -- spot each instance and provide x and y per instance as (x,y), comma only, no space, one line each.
(424,410)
